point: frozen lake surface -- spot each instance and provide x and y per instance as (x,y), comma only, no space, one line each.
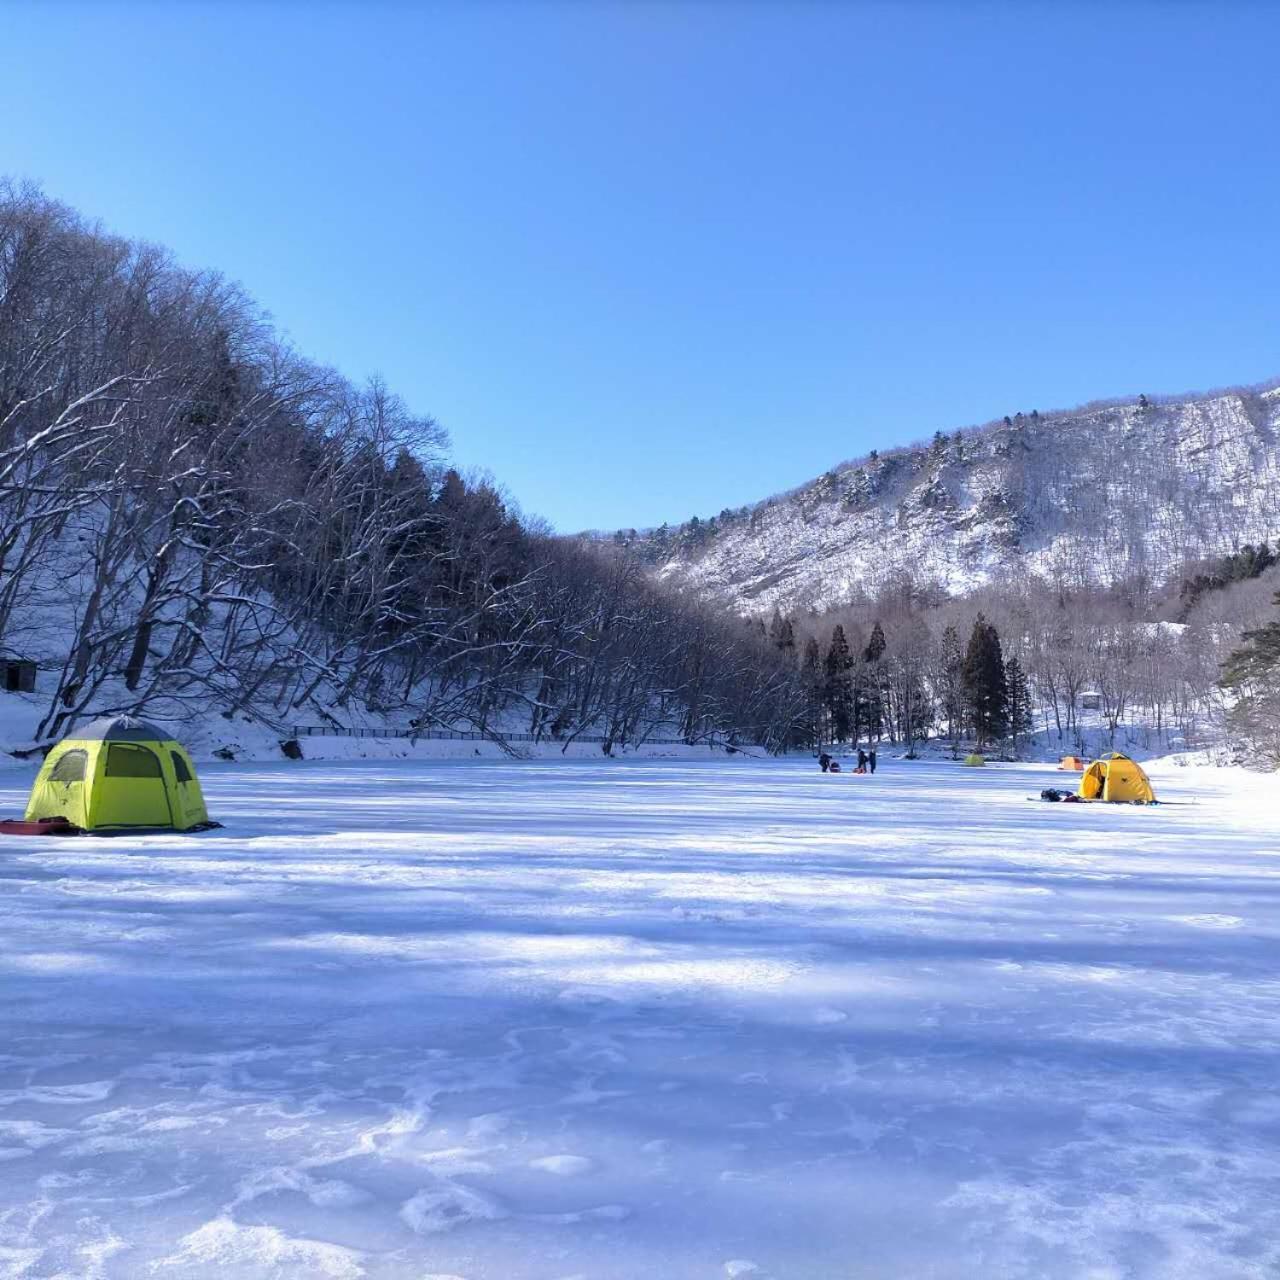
(659,1019)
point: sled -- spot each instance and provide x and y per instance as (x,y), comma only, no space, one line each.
(61,827)
(38,827)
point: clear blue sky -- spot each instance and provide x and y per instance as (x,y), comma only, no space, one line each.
(645,261)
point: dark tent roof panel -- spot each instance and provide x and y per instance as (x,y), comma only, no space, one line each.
(119,729)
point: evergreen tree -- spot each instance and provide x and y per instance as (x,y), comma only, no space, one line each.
(875,645)
(951,687)
(1252,672)
(871,710)
(1021,720)
(453,492)
(838,695)
(786,640)
(1258,659)
(986,691)
(812,680)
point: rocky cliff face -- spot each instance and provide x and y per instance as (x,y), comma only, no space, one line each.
(1096,494)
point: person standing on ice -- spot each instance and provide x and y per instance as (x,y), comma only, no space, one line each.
(862,761)
(824,762)
(871,759)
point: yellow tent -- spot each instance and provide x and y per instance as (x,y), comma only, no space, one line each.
(1071,764)
(974,759)
(1118,779)
(119,773)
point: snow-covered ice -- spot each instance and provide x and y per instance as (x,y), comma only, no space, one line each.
(659,1019)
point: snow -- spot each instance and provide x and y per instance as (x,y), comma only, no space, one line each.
(504,1020)
(1146,491)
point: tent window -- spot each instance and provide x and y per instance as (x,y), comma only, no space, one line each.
(180,770)
(131,762)
(69,767)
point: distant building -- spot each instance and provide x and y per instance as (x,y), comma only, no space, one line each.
(17,675)
(1091,700)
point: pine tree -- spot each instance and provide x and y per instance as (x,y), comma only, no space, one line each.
(453,492)
(986,691)
(876,645)
(837,693)
(1252,672)
(781,633)
(1021,720)
(786,640)
(951,686)
(1257,659)
(811,675)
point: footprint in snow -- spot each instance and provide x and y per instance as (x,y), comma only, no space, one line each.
(565,1166)
(442,1208)
(740,1267)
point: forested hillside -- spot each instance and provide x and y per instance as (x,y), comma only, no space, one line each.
(1086,498)
(1083,670)
(195,518)
(1116,553)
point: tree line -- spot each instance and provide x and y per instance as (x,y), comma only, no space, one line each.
(193,516)
(857,693)
(1083,667)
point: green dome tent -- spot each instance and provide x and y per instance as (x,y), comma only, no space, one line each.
(117,774)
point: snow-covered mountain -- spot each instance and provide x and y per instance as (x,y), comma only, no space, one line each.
(1091,495)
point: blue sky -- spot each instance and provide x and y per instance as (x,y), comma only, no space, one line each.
(647,261)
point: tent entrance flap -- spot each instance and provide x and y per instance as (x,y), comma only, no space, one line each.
(131,789)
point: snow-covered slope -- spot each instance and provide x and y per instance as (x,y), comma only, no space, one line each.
(1094,494)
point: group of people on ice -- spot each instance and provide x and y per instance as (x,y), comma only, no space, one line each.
(866,762)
